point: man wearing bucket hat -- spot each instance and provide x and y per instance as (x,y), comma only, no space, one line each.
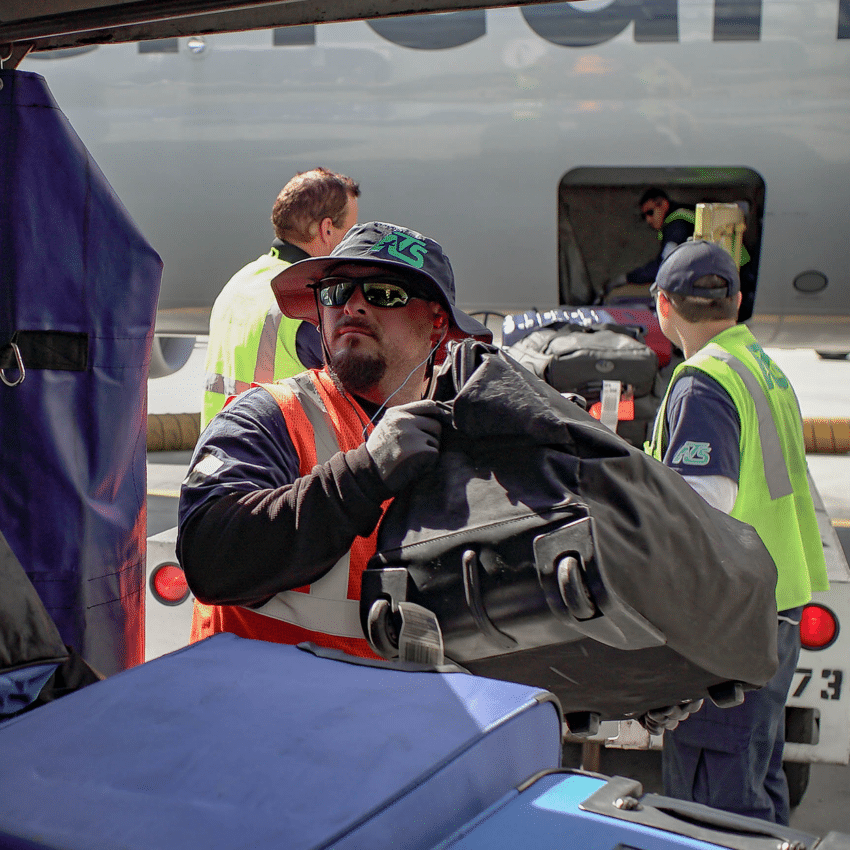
(279,511)
(730,424)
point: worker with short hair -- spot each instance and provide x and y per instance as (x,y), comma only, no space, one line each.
(730,424)
(250,340)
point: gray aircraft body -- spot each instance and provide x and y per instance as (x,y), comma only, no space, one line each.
(520,138)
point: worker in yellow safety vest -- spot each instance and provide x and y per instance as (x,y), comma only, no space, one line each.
(250,340)
(730,425)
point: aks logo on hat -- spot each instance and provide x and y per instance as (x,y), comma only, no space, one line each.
(402,246)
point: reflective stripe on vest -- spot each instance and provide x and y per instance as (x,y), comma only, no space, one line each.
(775,468)
(250,341)
(264,370)
(264,367)
(774,492)
(326,607)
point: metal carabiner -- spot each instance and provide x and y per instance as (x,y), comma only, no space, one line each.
(19,362)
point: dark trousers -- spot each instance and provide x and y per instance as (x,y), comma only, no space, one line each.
(731,758)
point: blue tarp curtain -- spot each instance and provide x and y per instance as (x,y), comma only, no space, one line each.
(78,292)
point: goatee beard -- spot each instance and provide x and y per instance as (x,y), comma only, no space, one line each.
(357,371)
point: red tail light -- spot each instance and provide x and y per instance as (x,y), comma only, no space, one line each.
(168,584)
(818,627)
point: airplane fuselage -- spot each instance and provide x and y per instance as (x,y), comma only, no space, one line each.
(519,138)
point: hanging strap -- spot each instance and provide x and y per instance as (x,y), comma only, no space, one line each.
(8,265)
(63,350)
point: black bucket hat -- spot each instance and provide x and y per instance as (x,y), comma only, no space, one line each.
(378,243)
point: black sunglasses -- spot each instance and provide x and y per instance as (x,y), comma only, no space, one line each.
(378,290)
(648,213)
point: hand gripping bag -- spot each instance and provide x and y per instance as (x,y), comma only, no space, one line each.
(546,550)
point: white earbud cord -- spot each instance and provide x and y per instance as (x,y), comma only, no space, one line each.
(381,409)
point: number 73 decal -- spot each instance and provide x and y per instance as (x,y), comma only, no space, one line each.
(831,686)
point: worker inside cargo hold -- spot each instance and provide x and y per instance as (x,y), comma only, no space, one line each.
(674,224)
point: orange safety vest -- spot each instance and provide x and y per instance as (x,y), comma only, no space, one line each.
(321,422)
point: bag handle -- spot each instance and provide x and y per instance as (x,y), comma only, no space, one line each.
(463,357)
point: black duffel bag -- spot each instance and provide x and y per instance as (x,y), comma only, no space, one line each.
(544,549)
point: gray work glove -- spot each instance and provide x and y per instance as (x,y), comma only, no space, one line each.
(406,442)
(659,719)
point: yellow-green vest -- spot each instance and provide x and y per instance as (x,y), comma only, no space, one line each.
(773,486)
(680,214)
(250,341)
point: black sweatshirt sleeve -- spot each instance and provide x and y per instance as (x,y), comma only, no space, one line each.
(249,525)
(672,234)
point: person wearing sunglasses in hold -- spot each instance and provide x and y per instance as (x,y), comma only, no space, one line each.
(674,224)
(287,485)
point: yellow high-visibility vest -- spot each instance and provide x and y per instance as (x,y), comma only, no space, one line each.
(250,340)
(773,486)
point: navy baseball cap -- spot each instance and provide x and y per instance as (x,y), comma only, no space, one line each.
(378,243)
(690,261)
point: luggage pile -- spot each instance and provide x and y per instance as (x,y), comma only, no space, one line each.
(595,352)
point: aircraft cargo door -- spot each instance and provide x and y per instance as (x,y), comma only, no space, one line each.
(602,234)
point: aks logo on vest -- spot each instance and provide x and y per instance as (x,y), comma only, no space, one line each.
(773,375)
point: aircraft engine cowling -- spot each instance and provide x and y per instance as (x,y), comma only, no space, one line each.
(169,354)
